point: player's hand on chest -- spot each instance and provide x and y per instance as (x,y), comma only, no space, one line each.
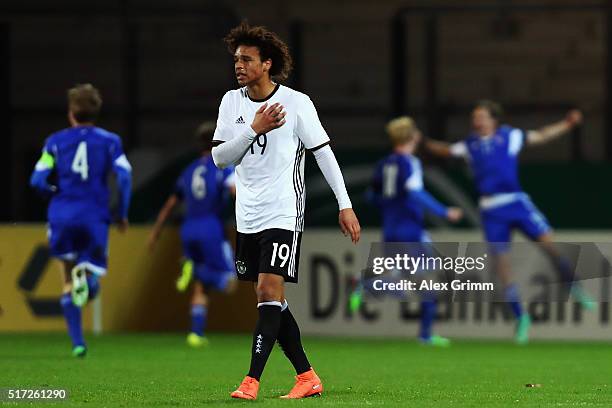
(273,124)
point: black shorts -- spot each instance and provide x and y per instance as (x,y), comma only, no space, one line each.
(269,251)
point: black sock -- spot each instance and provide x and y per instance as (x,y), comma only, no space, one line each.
(290,341)
(264,336)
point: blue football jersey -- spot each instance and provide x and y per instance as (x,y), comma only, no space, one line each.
(493,159)
(203,188)
(394,177)
(82,158)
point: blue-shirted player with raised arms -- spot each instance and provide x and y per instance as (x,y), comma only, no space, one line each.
(398,191)
(492,153)
(208,256)
(82,156)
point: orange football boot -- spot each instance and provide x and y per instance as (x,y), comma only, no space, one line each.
(247,390)
(307,384)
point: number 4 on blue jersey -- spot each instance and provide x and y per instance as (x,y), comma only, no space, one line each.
(82,157)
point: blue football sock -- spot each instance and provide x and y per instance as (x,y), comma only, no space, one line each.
(514,300)
(428,314)
(72,314)
(198,319)
(94,286)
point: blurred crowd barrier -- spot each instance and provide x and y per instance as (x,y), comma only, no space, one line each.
(329,264)
(138,293)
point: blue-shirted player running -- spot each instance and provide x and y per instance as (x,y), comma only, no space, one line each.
(208,256)
(82,157)
(398,191)
(492,153)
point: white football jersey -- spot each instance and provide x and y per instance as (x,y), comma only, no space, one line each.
(270,189)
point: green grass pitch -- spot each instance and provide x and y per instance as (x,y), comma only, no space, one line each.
(156,370)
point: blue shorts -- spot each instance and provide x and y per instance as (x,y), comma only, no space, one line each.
(205,245)
(498,222)
(84,243)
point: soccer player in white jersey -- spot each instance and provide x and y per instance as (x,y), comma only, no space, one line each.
(263,129)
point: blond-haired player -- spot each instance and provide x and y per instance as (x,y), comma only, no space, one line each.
(398,192)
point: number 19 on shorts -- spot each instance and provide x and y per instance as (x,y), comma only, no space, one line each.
(282,252)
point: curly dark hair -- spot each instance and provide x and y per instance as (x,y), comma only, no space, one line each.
(269,44)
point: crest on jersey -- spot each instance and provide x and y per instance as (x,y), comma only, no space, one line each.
(240,267)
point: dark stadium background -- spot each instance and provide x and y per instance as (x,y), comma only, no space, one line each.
(162,69)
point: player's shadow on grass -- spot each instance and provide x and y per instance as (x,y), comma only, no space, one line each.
(260,399)
(230,400)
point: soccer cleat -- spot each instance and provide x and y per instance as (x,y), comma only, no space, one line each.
(196,341)
(79,351)
(182,283)
(355,300)
(522,329)
(80,289)
(436,341)
(247,390)
(307,384)
(583,297)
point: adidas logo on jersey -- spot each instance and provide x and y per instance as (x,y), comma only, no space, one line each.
(240,121)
